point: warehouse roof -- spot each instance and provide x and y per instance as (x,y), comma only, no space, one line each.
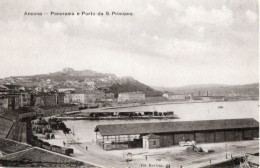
(178,126)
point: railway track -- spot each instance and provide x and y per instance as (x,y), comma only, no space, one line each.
(82,149)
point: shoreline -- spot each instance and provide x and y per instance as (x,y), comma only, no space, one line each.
(157,103)
(119,118)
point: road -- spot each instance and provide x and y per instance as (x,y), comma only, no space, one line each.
(175,156)
(93,158)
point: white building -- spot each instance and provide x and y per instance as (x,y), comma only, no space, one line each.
(66,90)
(67,98)
(172,96)
(78,98)
(131,97)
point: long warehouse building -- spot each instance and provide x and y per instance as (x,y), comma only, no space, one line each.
(162,134)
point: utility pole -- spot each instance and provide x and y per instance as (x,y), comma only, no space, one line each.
(226,151)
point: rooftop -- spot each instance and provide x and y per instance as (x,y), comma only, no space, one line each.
(41,158)
(8,146)
(178,126)
(5,125)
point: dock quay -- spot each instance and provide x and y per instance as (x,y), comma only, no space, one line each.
(123,115)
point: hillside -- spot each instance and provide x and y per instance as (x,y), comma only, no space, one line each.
(69,77)
(133,86)
(63,76)
(215,89)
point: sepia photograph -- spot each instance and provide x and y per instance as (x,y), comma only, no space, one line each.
(129,84)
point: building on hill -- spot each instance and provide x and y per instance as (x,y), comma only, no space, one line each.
(60,98)
(66,90)
(13,88)
(109,95)
(25,99)
(123,136)
(85,97)
(99,95)
(173,96)
(68,70)
(4,89)
(28,84)
(45,99)
(79,97)
(14,101)
(3,104)
(131,97)
(67,98)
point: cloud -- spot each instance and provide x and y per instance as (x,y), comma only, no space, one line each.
(170,42)
(151,10)
(251,16)
(199,15)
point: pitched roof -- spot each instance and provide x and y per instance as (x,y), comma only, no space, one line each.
(5,125)
(2,87)
(178,126)
(152,136)
(40,157)
(8,146)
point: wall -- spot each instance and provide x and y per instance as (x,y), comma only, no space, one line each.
(248,134)
(255,133)
(178,138)
(151,143)
(220,136)
(166,140)
(209,136)
(131,97)
(200,137)
(229,135)
(3,104)
(238,135)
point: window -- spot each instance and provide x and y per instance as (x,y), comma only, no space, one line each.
(154,143)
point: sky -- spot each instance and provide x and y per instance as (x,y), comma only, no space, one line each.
(165,43)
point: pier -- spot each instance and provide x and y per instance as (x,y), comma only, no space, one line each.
(111,115)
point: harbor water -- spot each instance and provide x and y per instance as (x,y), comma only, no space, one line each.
(84,129)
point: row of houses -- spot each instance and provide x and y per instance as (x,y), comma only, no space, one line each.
(183,97)
(99,96)
(16,100)
(131,97)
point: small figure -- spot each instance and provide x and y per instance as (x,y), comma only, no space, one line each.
(64,143)
(86,148)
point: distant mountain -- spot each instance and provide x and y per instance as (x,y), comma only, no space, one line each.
(215,89)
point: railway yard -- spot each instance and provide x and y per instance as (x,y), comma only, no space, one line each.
(174,156)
